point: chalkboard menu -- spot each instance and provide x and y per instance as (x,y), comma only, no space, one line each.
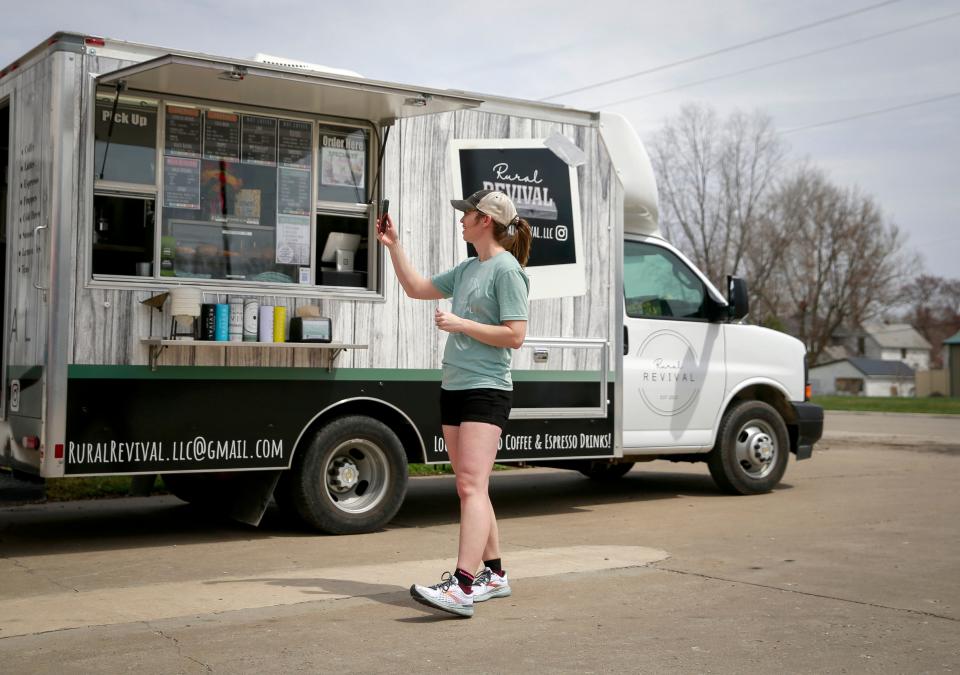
(258,142)
(221,136)
(184,132)
(181,183)
(295,142)
(293,188)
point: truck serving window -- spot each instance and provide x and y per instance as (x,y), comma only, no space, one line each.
(125,150)
(239,196)
(236,196)
(343,222)
(125,180)
(657,284)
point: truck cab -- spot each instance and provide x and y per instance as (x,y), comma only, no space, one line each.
(698,383)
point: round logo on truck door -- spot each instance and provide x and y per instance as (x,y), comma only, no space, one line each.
(671,372)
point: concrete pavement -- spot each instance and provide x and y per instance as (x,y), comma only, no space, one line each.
(892,428)
(850,566)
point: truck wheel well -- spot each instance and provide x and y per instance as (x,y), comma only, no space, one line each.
(775,398)
(378,410)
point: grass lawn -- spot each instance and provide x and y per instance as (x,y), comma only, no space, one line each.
(429,469)
(937,405)
(99,487)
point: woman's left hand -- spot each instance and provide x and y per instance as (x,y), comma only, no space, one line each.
(447,321)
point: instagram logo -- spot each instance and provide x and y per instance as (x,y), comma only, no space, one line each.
(560,233)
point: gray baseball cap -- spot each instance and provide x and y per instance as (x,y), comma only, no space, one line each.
(489,202)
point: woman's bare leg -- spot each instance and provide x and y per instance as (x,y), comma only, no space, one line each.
(476,451)
(451,437)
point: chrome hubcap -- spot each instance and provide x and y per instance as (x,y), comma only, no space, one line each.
(344,475)
(356,475)
(756,448)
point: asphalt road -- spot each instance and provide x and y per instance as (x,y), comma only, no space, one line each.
(850,566)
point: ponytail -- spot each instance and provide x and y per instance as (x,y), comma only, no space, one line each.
(516,238)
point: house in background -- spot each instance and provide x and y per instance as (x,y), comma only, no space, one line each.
(892,342)
(878,359)
(860,376)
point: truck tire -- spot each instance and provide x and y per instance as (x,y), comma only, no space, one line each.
(350,479)
(605,471)
(751,452)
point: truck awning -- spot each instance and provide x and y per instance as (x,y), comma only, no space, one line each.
(267,86)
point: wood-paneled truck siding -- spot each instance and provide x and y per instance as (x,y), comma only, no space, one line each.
(108,323)
(30,183)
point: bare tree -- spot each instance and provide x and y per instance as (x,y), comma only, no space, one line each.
(817,257)
(933,308)
(714,178)
(839,262)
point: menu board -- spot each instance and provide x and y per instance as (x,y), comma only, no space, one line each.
(184,132)
(258,141)
(181,183)
(295,142)
(293,240)
(221,136)
(293,191)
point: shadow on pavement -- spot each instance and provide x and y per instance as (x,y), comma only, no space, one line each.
(113,524)
(386,594)
(524,493)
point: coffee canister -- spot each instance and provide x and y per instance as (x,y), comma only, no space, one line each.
(251,311)
(236,319)
(208,321)
(279,324)
(265,324)
(222,329)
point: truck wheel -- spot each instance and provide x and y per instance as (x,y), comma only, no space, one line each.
(604,471)
(350,479)
(751,451)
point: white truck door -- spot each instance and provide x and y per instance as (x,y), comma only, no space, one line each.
(673,367)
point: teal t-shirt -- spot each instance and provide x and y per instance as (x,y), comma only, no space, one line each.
(490,292)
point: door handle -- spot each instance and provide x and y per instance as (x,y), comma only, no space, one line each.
(626,340)
(36,261)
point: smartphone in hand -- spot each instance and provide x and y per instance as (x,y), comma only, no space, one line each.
(384,209)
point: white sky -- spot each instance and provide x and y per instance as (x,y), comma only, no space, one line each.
(909,159)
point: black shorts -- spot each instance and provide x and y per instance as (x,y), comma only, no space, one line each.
(475,405)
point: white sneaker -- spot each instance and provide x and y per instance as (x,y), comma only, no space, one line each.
(447,595)
(489,584)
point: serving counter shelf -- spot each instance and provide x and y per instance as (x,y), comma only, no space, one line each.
(157,345)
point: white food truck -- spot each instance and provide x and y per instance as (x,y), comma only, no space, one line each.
(142,184)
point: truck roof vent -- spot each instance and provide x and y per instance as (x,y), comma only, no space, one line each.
(269,59)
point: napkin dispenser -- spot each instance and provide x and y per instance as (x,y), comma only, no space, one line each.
(310,329)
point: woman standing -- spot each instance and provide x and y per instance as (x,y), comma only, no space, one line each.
(488,318)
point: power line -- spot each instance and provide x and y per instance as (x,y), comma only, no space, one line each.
(871,113)
(782,61)
(723,50)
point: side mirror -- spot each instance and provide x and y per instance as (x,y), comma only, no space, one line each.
(739,303)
